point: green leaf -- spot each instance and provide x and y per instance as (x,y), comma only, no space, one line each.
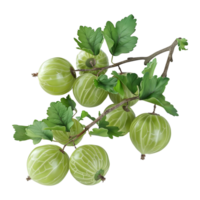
(60,115)
(119,39)
(37,131)
(122,78)
(20,133)
(106,84)
(159,100)
(182,44)
(119,89)
(89,40)
(150,68)
(110,35)
(56,128)
(133,82)
(148,86)
(99,132)
(151,91)
(68,102)
(83,115)
(161,85)
(111,130)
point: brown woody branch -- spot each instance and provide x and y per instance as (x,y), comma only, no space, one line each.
(171,48)
(146,59)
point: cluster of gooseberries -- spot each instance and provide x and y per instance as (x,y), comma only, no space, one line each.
(48,164)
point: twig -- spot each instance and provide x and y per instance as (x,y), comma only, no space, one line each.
(100,68)
(160,51)
(154,109)
(169,59)
(132,59)
(100,117)
(75,113)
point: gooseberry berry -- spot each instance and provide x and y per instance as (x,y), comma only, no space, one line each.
(48,164)
(150,133)
(89,164)
(86,93)
(56,76)
(85,60)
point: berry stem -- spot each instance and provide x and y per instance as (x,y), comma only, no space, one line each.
(28,178)
(34,74)
(143,156)
(102,177)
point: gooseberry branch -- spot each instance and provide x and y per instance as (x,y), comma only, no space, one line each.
(170,49)
(130,59)
(100,117)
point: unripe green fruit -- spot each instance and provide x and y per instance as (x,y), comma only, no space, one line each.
(82,61)
(150,133)
(54,76)
(48,164)
(86,94)
(88,163)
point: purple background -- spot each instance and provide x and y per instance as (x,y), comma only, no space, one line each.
(26,44)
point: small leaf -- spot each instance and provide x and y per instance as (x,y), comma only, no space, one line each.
(161,84)
(37,131)
(68,102)
(159,100)
(83,115)
(182,44)
(148,86)
(110,35)
(60,115)
(107,84)
(133,82)
(150,68)
(112,130)
(89,40)
(119,39)
(119,89)
(20,133)
(99,132)
(122,78)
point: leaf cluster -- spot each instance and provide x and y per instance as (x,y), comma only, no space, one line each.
(118,38)
(60,115)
